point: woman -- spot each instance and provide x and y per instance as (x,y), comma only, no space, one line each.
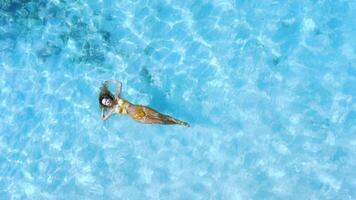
(115,104)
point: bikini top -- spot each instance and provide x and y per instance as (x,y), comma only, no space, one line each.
(121,106)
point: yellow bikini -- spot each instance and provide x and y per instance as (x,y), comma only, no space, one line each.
(121,106)
(121,109)
(139,114)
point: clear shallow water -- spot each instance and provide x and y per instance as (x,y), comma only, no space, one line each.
(268,87)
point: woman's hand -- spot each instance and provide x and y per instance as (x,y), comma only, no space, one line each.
(113,81)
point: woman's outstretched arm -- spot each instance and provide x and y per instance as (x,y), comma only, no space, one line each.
(118,89)
(118,86)
(102,113)
(105,117)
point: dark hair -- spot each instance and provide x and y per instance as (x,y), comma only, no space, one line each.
(105,93)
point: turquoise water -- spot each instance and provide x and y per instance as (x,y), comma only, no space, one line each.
(268,87)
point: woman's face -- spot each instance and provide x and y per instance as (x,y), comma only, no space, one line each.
(106,101)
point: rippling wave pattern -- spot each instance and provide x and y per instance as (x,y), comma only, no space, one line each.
(269,88)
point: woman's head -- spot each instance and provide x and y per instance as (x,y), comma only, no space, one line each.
(106,99)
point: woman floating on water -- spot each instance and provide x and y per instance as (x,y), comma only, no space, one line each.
(143,114)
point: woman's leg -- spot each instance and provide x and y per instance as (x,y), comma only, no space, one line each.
(145,114)
(149,120)
(165,119)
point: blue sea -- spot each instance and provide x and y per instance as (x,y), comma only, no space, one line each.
(268,87)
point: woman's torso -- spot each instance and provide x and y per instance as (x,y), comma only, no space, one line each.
(122,106)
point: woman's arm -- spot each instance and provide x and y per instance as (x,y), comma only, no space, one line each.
(102,113)
(118,89)
(105,117)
